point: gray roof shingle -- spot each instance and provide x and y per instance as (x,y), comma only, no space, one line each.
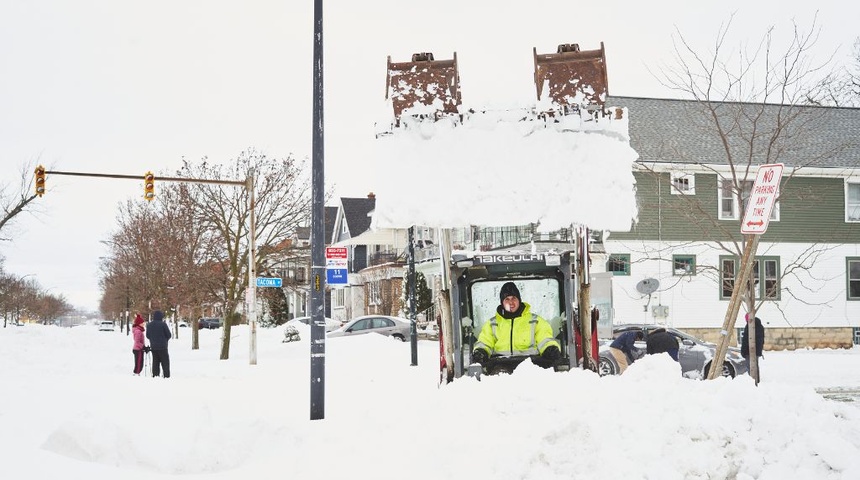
(355,212)
(680,131)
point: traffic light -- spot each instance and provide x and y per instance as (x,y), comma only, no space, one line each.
(40,180)
(149,186)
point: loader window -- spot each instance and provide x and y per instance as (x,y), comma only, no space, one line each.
(541,293)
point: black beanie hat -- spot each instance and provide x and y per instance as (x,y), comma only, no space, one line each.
(509,289)
(157,315)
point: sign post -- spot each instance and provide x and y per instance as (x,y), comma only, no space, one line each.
(762,199)
(337,265)
(759,207)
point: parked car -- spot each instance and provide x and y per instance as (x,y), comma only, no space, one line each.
(330,324)
(183,323)
(399,328)
(106,326)
(209,323)
(694,355)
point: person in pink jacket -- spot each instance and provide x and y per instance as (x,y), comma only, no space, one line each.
(137,349)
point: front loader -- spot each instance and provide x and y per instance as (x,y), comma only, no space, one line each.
(570,84)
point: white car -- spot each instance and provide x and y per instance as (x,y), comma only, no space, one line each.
(399,328)
(106,326)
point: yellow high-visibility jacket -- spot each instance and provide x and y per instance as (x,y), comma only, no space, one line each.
(529,334)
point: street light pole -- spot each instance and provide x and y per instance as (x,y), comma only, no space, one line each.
(252,270)
(318,268)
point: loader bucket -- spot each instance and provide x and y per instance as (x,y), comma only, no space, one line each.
(576,79)
(423,81)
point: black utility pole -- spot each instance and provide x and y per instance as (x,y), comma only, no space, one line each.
(318,268)
(413,337)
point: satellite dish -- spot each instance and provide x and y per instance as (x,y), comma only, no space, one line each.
(647,286)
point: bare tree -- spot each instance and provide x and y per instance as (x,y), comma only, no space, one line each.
(852,85)
(158,259)
(755,106)
(16,200)
(282,204)
(23,296)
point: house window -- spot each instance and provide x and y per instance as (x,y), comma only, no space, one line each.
(727,277)
(338,297)
(619,264)
(766,268)
(729,209)
(852,202)
(300,274)
(683,265)
(683,183)
(853,278)
(374,296)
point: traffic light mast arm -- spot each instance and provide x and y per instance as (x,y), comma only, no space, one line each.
(137,177)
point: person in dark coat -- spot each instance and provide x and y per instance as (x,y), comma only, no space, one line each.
(159,334)
(759,341)
(759,338)
(624,349)
(661,341)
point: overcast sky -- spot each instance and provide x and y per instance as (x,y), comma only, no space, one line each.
(126,87)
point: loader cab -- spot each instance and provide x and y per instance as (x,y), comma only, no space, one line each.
(545,281)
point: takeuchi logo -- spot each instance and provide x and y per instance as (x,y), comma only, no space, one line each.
(532,257)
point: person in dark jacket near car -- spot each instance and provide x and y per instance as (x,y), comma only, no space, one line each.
(759,339)
(661,341)
(624,349)
(515,331)
(159,334)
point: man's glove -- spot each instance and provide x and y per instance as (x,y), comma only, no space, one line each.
(147,349)
(480,356)
(551,353)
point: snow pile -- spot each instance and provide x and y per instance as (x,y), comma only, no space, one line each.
(506,167)
(70,407)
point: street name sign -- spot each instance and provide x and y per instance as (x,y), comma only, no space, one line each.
(336,266)
(269,282)
(762,199)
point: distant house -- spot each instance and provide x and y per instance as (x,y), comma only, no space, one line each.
(808,261)
(375,262)
(292,263)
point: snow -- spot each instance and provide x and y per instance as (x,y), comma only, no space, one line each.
(506,167)
(70,407)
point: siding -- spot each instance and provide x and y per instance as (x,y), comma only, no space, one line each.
(812,210)
(812,296)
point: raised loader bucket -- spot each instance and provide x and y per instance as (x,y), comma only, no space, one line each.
(576,78)
(423,81)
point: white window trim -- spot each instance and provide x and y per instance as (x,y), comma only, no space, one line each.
(737,214)
(849,207)
(338,298)
(734,215)
(691,183)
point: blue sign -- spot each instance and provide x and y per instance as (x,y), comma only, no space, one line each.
(269,282)
(336,276)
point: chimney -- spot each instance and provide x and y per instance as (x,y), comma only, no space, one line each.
(371,195)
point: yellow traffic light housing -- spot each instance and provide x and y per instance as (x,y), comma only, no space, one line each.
(149,186)
(40,180)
